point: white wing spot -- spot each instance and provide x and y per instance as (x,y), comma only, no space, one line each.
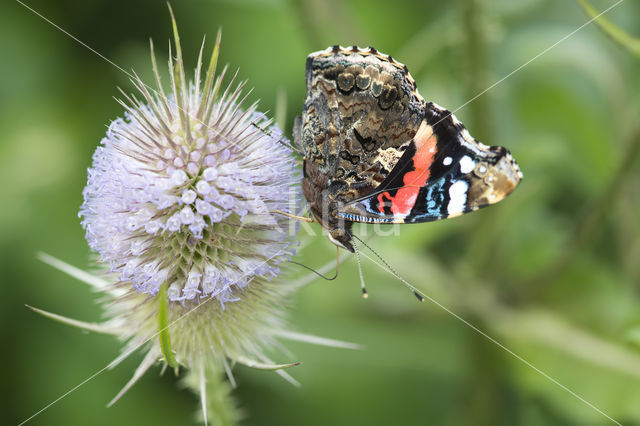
(457,197)
(466,164)
(447,161)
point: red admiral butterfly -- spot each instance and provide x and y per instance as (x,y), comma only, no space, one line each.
(376,152)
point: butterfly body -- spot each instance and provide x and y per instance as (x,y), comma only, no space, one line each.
(376,152)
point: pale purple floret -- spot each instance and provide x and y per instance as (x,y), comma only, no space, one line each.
(165,209)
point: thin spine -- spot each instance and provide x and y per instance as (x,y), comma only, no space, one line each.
(231,121)
(214,94)
(242,118)
(96,283)
(217,107)
(196,76)
(180,85)
(314,340)
(127,134)
(146,363)
(103,328)
(262,365)
(281,373)
(203,391)
(152,104)
(159,90)
(209,79)
(146,127)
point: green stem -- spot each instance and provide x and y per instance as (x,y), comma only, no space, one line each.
(217,405)
(281,108)
(477,68)
(479,117)
(483,402)
(612,31)
(163,327)
(489,399)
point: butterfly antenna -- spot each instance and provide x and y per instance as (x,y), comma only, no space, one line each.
(419,295)
(335,275)
(365,295)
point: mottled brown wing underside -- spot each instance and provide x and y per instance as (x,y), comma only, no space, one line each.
(361,111)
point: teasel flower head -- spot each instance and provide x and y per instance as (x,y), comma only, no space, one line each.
(178,206)
(181,189)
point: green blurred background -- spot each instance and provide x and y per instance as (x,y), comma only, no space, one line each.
(553,272)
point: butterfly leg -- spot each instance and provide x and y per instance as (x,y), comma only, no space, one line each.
(301,218)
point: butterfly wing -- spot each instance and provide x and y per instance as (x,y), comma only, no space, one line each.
(444,172)
(361,111)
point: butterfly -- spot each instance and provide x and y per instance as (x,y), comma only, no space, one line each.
(376,152)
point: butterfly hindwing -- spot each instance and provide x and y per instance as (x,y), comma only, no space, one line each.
(444,172)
